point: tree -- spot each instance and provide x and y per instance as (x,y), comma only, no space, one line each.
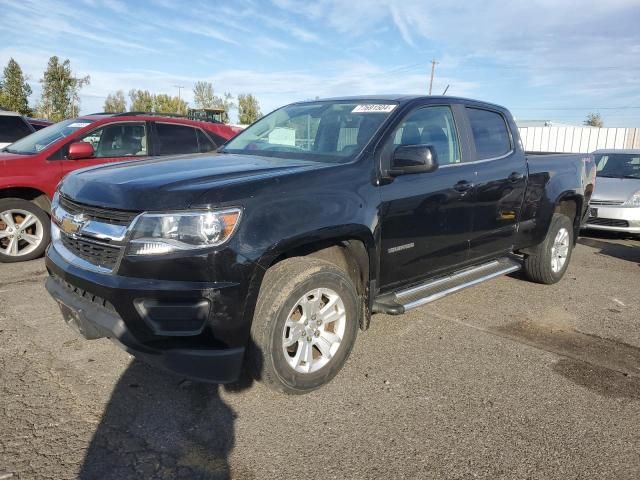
(141,100)
(203,96)
(167,104)
(594,120)
(115,102)
(60,91)
(248,108)
(225,103)
(14,90)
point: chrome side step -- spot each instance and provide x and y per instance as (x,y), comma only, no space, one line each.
(398,302)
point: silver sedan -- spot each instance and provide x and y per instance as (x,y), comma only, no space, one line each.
(615,204)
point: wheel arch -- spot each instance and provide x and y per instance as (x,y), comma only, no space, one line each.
(34,195)
(353,251)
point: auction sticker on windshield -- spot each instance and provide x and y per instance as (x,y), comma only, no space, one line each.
(373,108)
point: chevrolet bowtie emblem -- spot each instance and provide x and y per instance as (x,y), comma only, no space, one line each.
(73,224)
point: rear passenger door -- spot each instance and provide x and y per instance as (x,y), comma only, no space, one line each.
(500,182)
(175,139)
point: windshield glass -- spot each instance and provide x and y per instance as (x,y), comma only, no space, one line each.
(618,165)
(321,131)
(41,139)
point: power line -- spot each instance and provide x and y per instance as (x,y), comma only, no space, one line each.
(577,108)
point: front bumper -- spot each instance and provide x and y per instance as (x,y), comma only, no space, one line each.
(615,219)
(140,315)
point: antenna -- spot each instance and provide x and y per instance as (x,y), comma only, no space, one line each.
(445,90)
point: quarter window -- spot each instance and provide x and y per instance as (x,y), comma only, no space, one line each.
(490,133)
(204,143)
(432,126)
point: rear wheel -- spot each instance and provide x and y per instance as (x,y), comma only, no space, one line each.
(25,230)
(548,262)
(304,326)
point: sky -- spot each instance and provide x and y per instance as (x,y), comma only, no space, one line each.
(552,60)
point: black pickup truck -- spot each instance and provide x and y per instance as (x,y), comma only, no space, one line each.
(277,249)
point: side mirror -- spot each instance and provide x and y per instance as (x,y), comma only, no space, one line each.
(80,150)
(413,159)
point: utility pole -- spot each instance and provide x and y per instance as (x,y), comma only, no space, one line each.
(433,69)
(179,87)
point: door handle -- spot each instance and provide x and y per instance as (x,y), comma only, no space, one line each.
(515,176)
(463,186)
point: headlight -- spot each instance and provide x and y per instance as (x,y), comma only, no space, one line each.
(634,200)
(159,233)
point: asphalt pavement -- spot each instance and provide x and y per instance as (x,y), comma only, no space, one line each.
(508,380)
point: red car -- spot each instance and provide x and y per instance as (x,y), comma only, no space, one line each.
(31,168)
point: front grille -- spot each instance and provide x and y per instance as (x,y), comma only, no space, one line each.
(84,294)
(611,203)
(608,222)
(95,253)
(104,215)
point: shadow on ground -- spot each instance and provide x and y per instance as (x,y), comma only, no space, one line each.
(603,242)
(159,426)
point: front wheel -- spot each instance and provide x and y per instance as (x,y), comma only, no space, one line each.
(548,261)
(304,326)
(25,230)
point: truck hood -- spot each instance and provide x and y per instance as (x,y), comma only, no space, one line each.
(619,189)
(165,183)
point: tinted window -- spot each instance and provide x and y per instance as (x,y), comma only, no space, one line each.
(430,126)
(204,143)
(12,128)
(175,139)
(118,140)
(490,133)
(38,126)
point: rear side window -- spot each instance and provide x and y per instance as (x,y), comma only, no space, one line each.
(490,133)
(176,139)
(13,128)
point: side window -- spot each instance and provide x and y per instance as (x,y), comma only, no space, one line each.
(429,126)
(490,133)
(118,140)
(204,143)
(175,139)
(13,128)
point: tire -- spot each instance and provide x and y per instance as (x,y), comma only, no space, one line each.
(287,297)
(541,265)
(18,245)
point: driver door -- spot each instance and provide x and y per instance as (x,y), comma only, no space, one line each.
(113,142)
(426,218)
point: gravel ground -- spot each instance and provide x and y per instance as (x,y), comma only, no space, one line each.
(506,380)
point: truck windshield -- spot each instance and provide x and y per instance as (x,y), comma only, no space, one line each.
(332,132)
(41,139)
(618,165)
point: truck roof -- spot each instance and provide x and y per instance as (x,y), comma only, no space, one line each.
(403,98)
